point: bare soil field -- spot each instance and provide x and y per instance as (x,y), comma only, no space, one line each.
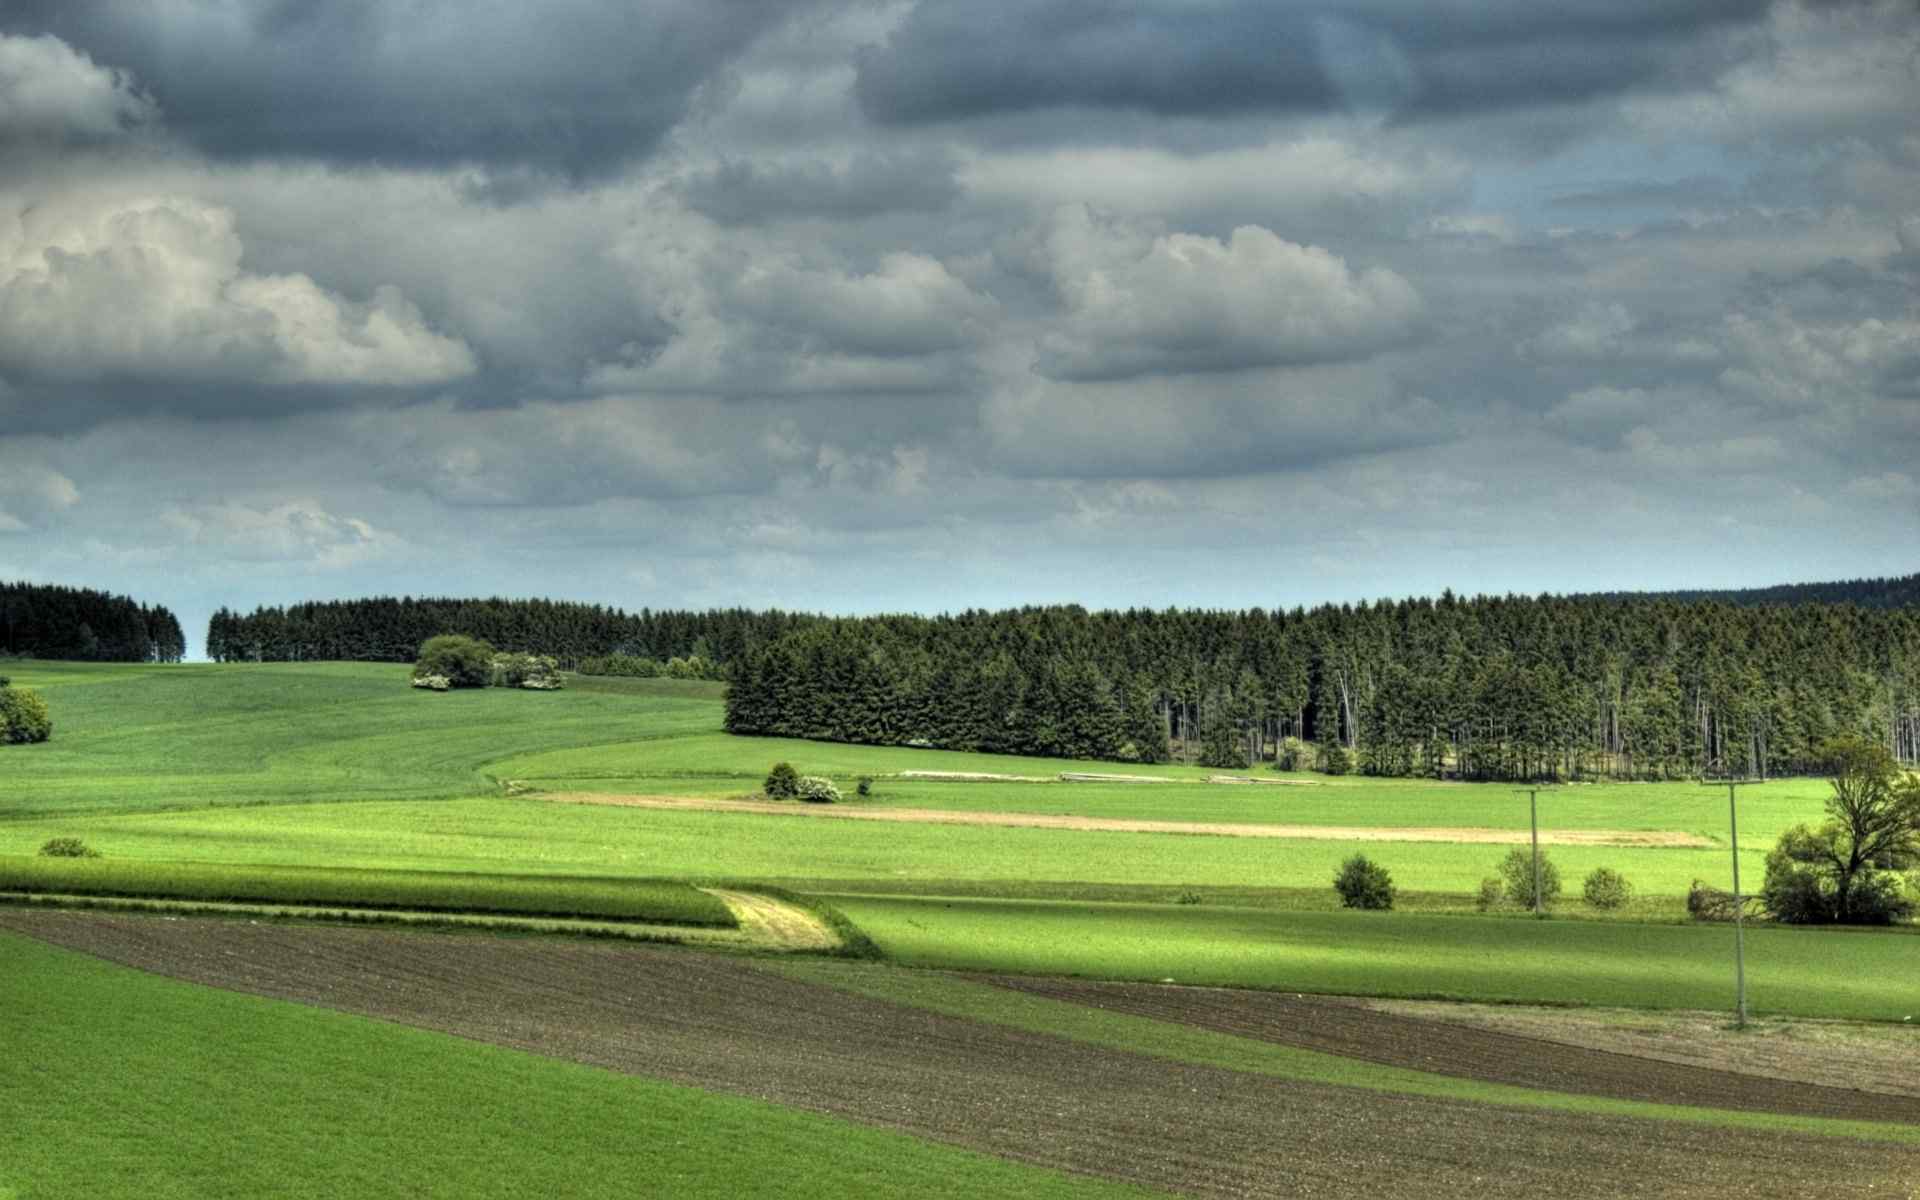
(719,1023)
(1341,833)
(1358,1029)
(1842,1054)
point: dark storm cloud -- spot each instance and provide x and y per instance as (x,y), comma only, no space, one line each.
(576,86)
(740,192)
(1417,57)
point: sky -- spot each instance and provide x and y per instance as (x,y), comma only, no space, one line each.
(859,307)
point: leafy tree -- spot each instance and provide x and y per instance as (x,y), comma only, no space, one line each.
(1516,876)
(1846,871)
(1363,883)
(23,716)
(1606,888)
(462,661)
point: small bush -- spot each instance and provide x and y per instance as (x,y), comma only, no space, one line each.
(783,782)
(865,786)
(464,661)
(23,716)
(1516,872)
(1187,896)
(67,847)
(817,789)
(1491,893)
(1292,755)
(1334,759)
(535,672)
(1606,888)
(1364,884)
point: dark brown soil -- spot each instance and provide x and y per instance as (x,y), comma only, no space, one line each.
(1351,1030)
(719,1023)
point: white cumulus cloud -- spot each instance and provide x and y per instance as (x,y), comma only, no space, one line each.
(51,93)
(1186,303)
(95,286)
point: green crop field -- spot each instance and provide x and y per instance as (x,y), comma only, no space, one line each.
(341,768)
(117,1083)
(1815,973)
(652,900)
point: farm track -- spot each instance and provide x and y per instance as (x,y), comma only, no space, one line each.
(1353,1029)
(719,1023)
(1248,829)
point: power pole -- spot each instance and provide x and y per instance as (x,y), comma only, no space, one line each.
(1533,809)
(1739,906)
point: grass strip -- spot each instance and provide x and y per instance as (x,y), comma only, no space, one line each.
(1171,1040)
(118,1083)
(656,901)
(1848,974)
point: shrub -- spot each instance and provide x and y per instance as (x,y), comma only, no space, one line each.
(1334,759)
(865,786)
(1606,888)
(1711,904)
(1516,872)
(817,789)
(1491,893)
(1292,755)
(67,847)
(1187,896)
(535,672)
(783,782)
(1364,884)
(464,661)
(23,716)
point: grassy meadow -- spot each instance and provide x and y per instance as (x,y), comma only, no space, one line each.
(292,772)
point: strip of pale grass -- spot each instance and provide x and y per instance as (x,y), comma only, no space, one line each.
(117,1083)
(1183,1043)
(655,901)
(1858,975)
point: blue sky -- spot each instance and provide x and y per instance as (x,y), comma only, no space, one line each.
(879,306)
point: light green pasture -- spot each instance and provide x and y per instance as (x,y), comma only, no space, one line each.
(1810,973)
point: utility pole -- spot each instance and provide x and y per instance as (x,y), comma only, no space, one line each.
(1739,906)
(1533,809)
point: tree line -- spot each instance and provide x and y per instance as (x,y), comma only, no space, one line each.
(391,629)
(49,621)
(1487,688)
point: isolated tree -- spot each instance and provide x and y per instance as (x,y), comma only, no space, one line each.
(462,661)
(1363,883)
(1516,875)
(1846,872)
(23,716)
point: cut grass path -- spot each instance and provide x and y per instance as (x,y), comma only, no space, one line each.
(116,1083)
(1813,973)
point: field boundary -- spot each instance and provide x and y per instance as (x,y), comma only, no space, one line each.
(1340,833)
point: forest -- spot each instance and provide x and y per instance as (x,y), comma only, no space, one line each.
(47,621)
(1501,687)
(390,629)
(1487,688)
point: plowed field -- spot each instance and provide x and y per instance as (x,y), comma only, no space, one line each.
(720,1023)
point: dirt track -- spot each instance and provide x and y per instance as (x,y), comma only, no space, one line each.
(719,1023)
(1343,833)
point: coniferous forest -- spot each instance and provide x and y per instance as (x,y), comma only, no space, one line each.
(1506,687)
(1488,688)
(45,621)
(390,629)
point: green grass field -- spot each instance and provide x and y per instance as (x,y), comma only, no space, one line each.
(342,767)
(118,1083)
(652,900)
(1813,973)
